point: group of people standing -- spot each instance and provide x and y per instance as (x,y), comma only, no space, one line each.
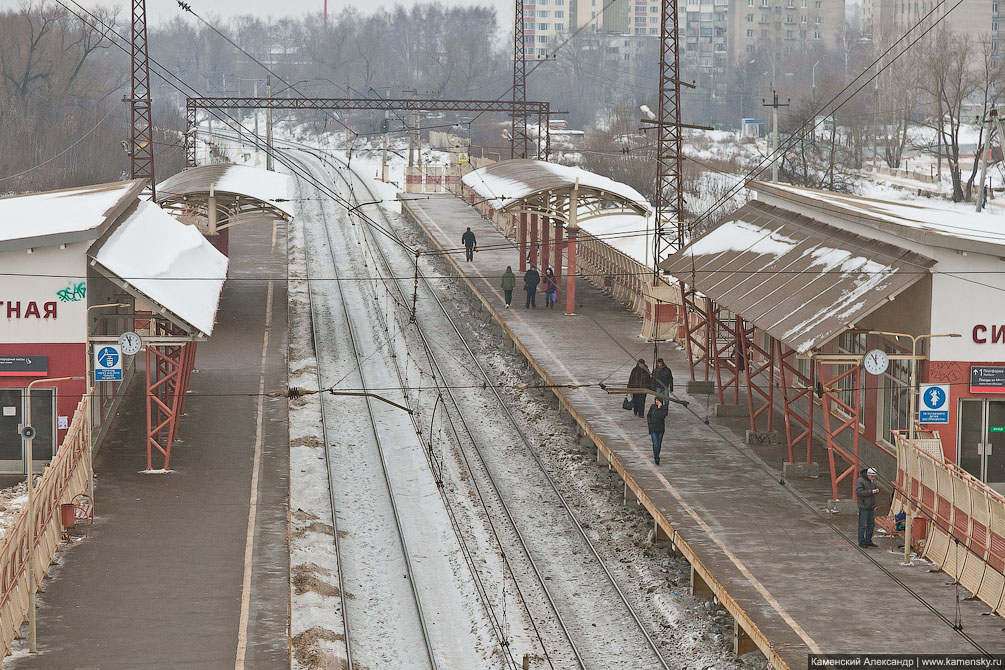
(531,280)
(661,381)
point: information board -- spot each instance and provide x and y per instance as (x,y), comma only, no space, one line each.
(108,363)
(987,378)
(24,366)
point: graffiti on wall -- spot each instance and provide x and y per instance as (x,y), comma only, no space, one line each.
(73,292)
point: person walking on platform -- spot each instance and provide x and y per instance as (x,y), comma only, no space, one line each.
(865,491)
(550,289)
(639,379)
(508,284)
(530,282)
(657,417)
(663,377)
(468,239)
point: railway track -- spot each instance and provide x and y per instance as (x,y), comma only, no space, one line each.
(403,622)
(639,649)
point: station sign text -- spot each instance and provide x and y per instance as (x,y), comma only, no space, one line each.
(29,309)
(993,334)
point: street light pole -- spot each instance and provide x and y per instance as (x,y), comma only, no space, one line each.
(913,404)
(27,439)
(88,390)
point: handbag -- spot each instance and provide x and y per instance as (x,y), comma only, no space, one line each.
(627,402)
(554,296)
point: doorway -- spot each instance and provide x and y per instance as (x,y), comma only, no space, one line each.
(981,442)
(12,413)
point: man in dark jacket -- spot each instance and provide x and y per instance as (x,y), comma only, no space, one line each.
(663,377)
(657,426)
(639,379)
(468,239)
(865,491)
(530,282)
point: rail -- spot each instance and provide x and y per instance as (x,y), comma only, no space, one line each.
(964,519)
(63,479)
(504,406)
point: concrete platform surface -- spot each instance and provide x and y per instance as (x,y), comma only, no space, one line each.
(160,581)
(794,571)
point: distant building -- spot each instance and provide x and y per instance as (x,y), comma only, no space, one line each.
(977,18)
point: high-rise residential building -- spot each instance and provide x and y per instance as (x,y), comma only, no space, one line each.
(543,22)
(886,20)
(786,27)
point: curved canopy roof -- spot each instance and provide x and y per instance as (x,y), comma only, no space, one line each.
(241,193)
(545,188)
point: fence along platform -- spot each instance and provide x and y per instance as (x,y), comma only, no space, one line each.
(793,585)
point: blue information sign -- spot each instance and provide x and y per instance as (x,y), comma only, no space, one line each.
(934,400)
(108,364)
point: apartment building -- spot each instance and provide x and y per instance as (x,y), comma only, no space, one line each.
(543,22)
(889,19)
(786,26)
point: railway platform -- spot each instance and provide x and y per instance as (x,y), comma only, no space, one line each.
(168,577)
(791,574)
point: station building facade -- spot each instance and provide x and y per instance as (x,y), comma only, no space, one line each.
(818,279)
(86,265)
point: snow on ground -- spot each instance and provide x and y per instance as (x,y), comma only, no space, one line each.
(12,500)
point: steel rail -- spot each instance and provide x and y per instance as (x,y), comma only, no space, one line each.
(495,533)
(328,464)
(380,450)
(465,549)
(526,441)
(531,450)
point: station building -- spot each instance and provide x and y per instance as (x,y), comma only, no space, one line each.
(784,299)
(91,263)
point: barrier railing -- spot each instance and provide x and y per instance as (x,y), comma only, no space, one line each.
(63,479)
(965,521)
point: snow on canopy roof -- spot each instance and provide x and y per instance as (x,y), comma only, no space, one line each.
(271,188)
(506,182)
(628,233)
(921,221)
(167,262)
(68,215)
(800,280)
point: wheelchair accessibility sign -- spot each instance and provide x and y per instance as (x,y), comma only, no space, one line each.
(934,403)
(108,363)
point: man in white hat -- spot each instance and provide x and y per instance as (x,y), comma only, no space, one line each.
(865,491)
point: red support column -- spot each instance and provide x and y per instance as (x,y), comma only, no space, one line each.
(545,243)
(570,281)
(523,241)
(559,245)
(535,241)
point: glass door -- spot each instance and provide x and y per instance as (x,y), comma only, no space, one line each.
(11,454)
(970,455)
(981,448)
(994,469)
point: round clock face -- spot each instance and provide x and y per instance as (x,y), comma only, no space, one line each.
(876,362)
(130,343)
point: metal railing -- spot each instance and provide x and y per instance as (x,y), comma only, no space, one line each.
(965,520)
(63,479)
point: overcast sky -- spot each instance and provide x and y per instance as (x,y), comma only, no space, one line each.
(158,10)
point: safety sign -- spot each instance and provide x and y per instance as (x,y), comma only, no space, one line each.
(934,403)
(108,363)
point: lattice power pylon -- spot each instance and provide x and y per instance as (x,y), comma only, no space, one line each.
(670,229)
(519,140)
(141,145)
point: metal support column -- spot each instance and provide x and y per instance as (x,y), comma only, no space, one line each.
(141,146)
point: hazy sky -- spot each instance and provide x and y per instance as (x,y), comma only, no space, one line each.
(158,10)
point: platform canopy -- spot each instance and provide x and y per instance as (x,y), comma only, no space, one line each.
(63,217)
(540,187)
(166,263)
(239,193)
(801,281)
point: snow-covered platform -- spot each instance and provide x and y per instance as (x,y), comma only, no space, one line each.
(791,574)
(166,579)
